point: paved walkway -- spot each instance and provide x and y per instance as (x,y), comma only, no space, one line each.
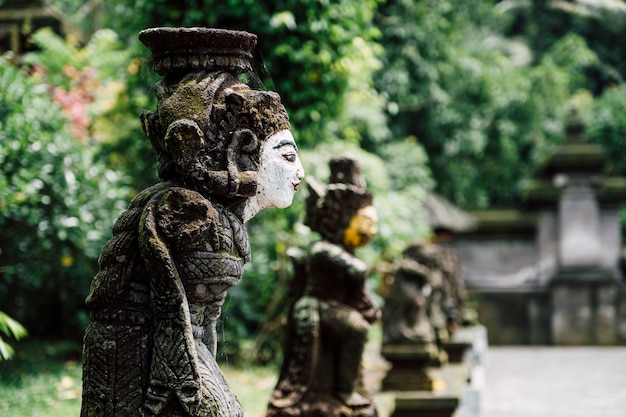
(555,382)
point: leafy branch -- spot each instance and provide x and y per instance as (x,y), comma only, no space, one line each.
(11,328)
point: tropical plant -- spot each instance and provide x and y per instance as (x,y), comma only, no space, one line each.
(9,328)
(101,86)
(600,23)
(485,107)
(318,55)
(57,204)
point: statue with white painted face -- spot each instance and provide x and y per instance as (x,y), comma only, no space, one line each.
(225,152)
(332,308)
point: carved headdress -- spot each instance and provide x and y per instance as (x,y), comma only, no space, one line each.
(209,125)
(329,208)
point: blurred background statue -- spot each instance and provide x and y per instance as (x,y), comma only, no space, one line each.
(225,152)
(411,315)
(332,310)
(405,312)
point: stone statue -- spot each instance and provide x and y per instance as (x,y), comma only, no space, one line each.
(455,299)
(405,312)
(225,151)
(329,321)
(430,256)
(440,298)
(414,320)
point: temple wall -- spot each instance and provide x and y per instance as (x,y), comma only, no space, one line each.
(525,294)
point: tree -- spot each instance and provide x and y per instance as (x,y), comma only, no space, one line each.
(485,106)
(10,328)
(57,203)
(317,54)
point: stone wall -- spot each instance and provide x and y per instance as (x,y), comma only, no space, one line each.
(549,271)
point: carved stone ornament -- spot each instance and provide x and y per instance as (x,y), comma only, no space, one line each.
(225,152)
(405,313)
(332,309)
(426,298)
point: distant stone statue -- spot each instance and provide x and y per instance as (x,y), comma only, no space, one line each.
(225,151)
(428,285)
(333,310)
(405,313)
(455,299)
(414,319)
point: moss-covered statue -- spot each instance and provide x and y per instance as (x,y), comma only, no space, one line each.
(411,317)
(225,152)
(329,321)
(426,298)
(406,310)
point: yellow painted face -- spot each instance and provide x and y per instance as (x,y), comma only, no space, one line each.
(362,228)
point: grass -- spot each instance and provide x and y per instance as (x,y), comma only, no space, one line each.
(44,380)
(253,386)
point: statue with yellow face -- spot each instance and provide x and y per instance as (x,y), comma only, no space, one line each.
(333,310)
(362,228)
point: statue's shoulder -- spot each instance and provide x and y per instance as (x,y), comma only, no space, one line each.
(325,252)
(324,247)
(329,251)
(181,203)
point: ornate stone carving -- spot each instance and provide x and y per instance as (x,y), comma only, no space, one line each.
(426,297)
(332,310)
(405,313)
(225,152)
(421,309)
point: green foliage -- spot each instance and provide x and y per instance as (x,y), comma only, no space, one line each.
(103,53)
(102,87)
(319,55)
(598,23)
(471,97)
(57,204)
(10,328)
(606,124)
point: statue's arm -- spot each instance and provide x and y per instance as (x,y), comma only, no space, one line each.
(355,271)
(174,370)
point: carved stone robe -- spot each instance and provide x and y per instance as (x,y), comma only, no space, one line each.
(163,277)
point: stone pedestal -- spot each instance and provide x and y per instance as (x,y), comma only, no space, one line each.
(424,404)
(416,391)
(466,380)
(584,291)
(410,367)
(584,309)
(456,348)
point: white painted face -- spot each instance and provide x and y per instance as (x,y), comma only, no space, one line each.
(280,171)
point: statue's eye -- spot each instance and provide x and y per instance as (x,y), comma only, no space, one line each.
(291,157)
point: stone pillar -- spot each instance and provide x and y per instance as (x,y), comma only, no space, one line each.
(579,222)
(584,311)
(584,290)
